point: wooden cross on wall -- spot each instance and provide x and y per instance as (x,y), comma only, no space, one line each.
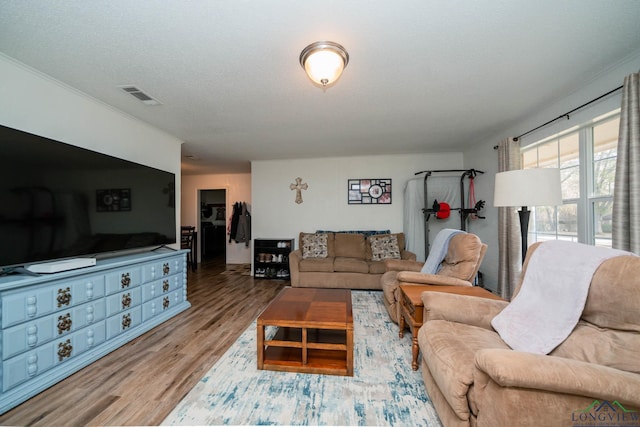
(299,186)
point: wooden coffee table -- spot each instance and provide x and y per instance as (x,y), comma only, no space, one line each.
(315,332)
(412,308)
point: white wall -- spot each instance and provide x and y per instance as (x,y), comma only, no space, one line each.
(276,215)
(238,188)
(36,103)
(482,155)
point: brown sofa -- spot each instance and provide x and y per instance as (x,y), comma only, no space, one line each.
(348,262)
(474,379)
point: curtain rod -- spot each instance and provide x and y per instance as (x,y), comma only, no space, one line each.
(495,147)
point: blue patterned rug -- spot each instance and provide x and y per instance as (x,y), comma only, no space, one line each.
(383,391)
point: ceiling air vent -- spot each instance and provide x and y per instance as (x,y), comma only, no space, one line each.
(140,95)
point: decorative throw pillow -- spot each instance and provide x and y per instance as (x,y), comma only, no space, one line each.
(314,246)
(384,247)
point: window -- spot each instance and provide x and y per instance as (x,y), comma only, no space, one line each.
(586,157)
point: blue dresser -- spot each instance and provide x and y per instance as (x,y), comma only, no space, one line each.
(55,324)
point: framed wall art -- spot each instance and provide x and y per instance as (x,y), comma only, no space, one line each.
(369,191)
(113,200)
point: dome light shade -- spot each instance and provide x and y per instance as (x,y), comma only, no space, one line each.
(324,61)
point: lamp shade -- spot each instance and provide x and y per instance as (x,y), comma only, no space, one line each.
(324,61)
(528,187)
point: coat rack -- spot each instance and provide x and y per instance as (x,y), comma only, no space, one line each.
(463,211)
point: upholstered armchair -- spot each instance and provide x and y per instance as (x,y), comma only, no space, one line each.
(474,378)
(459,268)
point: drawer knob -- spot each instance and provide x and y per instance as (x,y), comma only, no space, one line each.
(125,280)
(126,321)
(32,336)
(32,308)
(64,350)
(165,303)
(165,268)
(32,365)
(89,290)
(126,300)
(165,285)
(90,316)
(64,323)
(64,297)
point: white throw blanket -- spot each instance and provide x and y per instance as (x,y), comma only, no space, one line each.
(438,250)
(552,297)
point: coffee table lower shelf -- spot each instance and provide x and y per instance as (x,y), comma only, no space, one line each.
(311,351)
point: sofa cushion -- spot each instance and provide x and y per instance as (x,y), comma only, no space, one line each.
(400,237)
(448,349)
(316,264)
(611,287)
(384,247)
(609,347)
(314,245)
(377,267)
(349,245)
(350,265)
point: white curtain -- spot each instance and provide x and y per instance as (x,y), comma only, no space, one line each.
(440,188)
(509,238)
(626,195)
(413,221)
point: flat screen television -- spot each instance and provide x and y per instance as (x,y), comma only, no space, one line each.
(61,201)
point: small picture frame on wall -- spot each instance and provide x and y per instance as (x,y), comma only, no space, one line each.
(113,200)
(369,191)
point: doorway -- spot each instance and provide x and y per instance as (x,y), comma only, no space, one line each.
(213,224)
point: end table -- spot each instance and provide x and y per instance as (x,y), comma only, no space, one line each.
(412,308)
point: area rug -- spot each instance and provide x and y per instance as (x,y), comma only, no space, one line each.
(383,391)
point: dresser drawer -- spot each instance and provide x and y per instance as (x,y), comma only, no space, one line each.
(163,268)
(125,278)
(31,303)
(161,287)
(123,322)
(156,306)
(29,335)
(123,301)
(28,365)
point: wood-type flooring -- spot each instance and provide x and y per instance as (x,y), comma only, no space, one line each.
(141,382)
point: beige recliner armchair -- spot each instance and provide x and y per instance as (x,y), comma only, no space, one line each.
(459,268)
(475,379)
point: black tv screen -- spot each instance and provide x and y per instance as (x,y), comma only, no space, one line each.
(61,201)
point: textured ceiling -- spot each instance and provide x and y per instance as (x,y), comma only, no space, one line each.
(423,76)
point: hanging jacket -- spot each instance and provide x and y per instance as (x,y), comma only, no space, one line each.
(247,220)
(235,218)
(243,233)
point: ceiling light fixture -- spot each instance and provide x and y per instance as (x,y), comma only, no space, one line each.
(324,61)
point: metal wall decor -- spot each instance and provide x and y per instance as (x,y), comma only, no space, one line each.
(370,191)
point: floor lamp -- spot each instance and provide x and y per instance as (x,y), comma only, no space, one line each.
(524,188)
